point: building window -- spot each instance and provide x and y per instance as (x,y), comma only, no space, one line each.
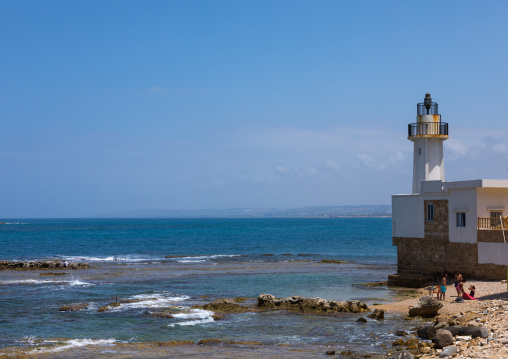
(495,219)
(461,219)
(419,151)
(430,212)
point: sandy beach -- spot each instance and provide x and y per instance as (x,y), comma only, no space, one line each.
(491,310)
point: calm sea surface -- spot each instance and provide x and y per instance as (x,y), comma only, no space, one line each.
(212,258)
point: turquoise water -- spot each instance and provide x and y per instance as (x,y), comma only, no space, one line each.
(211,258)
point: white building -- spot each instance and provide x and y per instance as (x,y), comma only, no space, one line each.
(446,226)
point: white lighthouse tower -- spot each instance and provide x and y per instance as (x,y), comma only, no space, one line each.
(427,134)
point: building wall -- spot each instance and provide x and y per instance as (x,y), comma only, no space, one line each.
(439,227)
(492,198)
(494,253)
(407,212)
(463,199)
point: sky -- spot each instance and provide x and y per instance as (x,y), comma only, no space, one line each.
(109,106)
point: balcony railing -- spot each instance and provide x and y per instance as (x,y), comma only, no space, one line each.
(493,223)
(427,129)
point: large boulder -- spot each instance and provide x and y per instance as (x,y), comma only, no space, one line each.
(443,339)
(427,307)
(475,332)
(428,332)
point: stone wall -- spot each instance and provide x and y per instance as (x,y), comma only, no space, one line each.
(491,235)
(438,228)
(430,258)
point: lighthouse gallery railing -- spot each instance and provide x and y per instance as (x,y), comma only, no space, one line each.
(427,129)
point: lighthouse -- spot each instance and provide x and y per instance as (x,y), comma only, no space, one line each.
(427,134)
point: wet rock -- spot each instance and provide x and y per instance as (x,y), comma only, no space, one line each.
(330,352)
(448,352)
(47,274)
(400,333)
(398,342)
(403,354)
(454,330)
(378,314)
(361,320)
(346,352)
(73,307)
(427,307)
(218,317)
(37,265)
(161,315)
(428,332)
(305,305)
(412,343)
(224,306)
(209,342)
(443,339)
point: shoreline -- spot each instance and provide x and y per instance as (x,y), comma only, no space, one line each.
(493,311)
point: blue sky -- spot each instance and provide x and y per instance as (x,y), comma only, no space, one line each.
(108,106)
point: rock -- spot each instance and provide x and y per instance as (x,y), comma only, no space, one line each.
(448,352)
(161,315)
(361,320)
(224,306)
(73,307)
(37,265)
(403,354)
(378,314)
(47,274)
(400,333)
(305,305)
(217,317)
(428,332)
(454,330)
(412,343)
(209,342)
(443,339)
(330,352)
(346,352)
(398,342)
(427,307)
(475,332)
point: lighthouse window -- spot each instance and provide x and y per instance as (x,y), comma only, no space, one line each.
(430,212)
(419,151)
(461,219)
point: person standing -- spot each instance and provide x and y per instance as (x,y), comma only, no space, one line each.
(443,287)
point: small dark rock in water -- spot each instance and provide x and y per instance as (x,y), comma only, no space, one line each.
(161,315)
(346,352)
(336,261)
(361,320)
(330,352)
(403,354)
(378,314)
(209,342)
(412,343)
(218,317)
(267,255)
(73,307)
(400,333)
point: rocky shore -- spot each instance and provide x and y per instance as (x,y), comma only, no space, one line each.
(38,265)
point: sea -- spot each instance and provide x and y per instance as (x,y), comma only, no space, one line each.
(159,263)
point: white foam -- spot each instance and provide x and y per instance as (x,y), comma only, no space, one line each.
(199,316)
(156,300)
(203,258)
(74,282)
(106,259)
(75,343)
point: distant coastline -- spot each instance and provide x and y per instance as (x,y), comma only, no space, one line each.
(302,212)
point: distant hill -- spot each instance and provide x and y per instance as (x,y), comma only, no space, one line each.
(311,211)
